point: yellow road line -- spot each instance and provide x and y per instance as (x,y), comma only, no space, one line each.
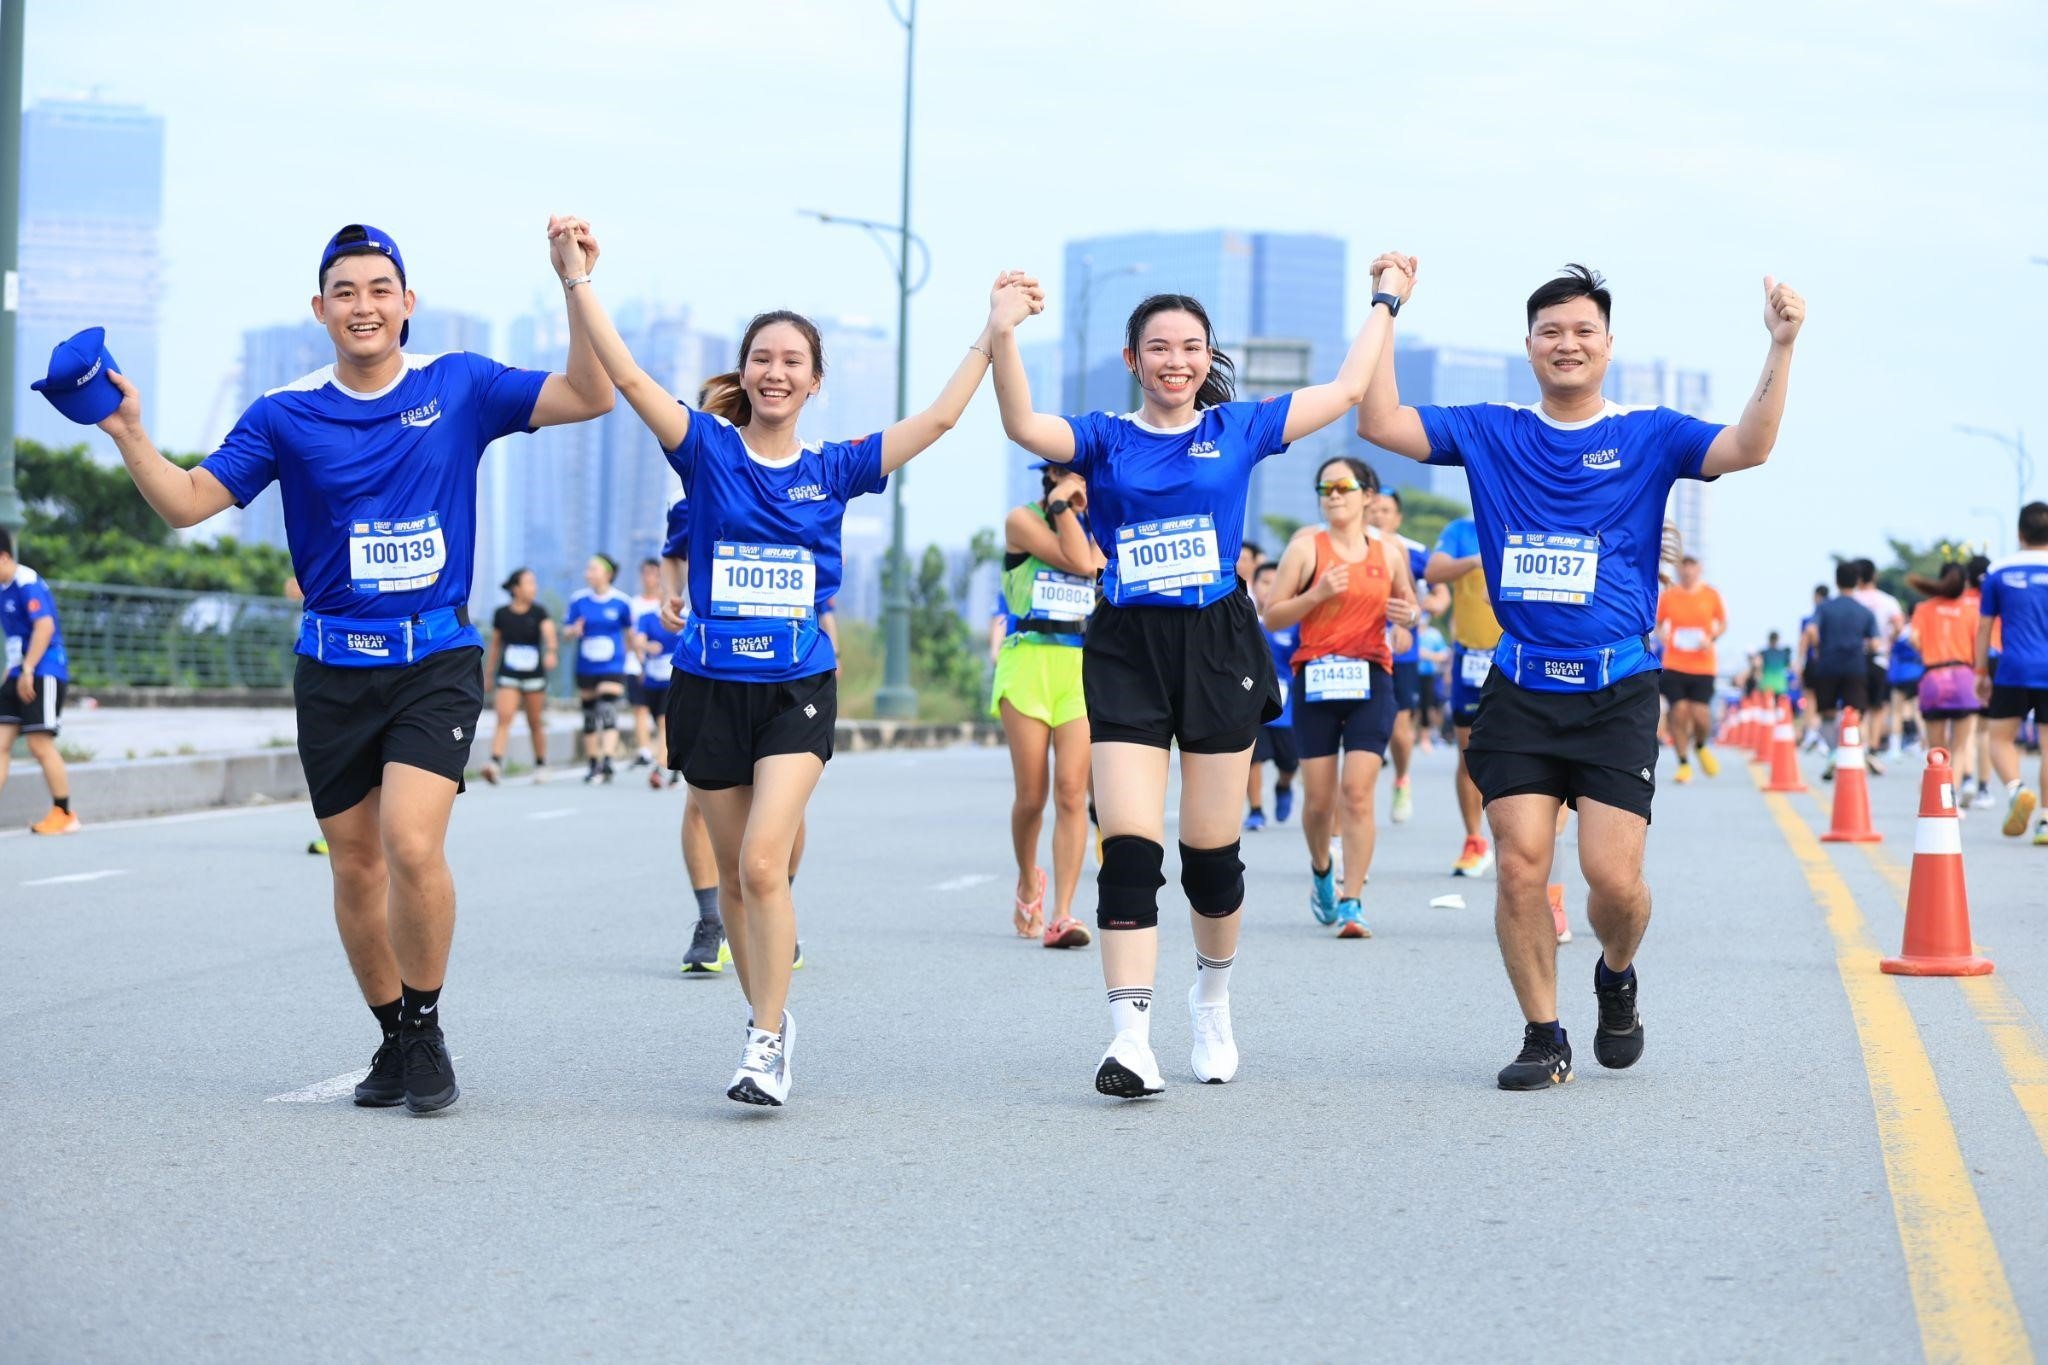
(2021,1042)
(1960,1293)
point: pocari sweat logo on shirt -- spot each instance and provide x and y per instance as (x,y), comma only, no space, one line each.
(807,492)
(1572,671)
(753,646)
(1609,458)
(425,415)
(1204,450)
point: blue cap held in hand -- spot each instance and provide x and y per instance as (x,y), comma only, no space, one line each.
(360,239)
(77,384)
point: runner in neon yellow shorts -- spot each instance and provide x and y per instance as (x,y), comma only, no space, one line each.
(1049,569)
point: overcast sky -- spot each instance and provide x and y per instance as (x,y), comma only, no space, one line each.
(1886,159)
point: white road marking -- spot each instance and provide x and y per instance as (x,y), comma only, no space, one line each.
(78,877)
(557,813)
(962,883)
(187,817)
(327,1091)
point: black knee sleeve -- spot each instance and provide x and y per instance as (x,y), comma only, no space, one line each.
(607,717)
(1213,879)
(1127,887)
(590,716)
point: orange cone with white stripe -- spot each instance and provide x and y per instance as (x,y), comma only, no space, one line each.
(1785,753)
(1760,734)
(1937,904)
(1850,823)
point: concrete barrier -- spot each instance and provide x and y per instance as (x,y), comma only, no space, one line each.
(169,786)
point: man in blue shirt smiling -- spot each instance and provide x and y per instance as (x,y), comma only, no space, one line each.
(1569,498)
(375,458)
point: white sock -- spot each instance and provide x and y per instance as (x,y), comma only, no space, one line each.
(1130,1010)
(1212,979)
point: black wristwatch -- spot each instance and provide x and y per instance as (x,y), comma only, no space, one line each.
(1393,302)
(1056,506)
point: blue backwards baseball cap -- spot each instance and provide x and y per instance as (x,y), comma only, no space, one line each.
(360,239)
(77,384)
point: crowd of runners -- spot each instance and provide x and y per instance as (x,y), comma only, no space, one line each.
(1558,635)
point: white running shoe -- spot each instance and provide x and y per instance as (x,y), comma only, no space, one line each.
(1129,1071)
(763,1077)
(1215,1056)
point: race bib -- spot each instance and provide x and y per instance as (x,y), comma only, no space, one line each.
(1061,596)
(1689,639)
(521,658)
(763,580)
(1549,567)
(599,649)
(13,654)
(1166,556)
(660,668)
(396,556)
(1473,667)
(1337,679)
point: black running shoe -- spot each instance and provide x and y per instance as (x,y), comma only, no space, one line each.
(1620,1038)
(385,1085)
(705,941)
(1545,1061)
(429,1074)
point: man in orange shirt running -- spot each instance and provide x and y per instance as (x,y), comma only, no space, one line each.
(1690,618)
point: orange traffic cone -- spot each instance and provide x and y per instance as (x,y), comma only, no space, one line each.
(1851,821)
(1760,737)
(1784,754)
(1937,903)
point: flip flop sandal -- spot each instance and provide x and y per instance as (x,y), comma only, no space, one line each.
(1067,933)
(1028,917)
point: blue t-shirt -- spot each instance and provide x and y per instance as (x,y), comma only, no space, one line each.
(1570,516)
(1418,560)
(659,666)
(1430,642)
(675,541)
(601,651)
(1281,644)
(2016,592)
(748,501)
(25,603)
(379,490)
(1841,625)
(1141,476)
(1906,666)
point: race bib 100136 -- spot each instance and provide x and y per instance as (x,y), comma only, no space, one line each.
(396,556)
(1549,566)
(763,580)
(1167,555)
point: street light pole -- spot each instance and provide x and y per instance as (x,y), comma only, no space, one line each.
(1089,284)
(896,698)
(10,246)
(2015,449)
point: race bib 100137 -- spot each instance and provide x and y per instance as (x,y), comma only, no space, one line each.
(1549,566)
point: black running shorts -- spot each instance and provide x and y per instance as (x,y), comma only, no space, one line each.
(353,721)
(44,715)
(718,729)
(1877,683)
(1198,677)
(1275,745)
(1832,694)
(2012,702)
(1600,746)
(1695,687)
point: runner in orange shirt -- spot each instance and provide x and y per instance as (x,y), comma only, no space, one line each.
(1690,618)
(1945,631)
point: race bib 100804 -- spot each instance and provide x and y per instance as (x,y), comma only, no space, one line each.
(1061,596)
(1168,555)
(763,580)
(1336,679)
(1549,566)
(396,556)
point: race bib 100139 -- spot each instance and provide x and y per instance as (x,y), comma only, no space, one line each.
(763,580)
(396,556)
(1167,555)
(1549,566)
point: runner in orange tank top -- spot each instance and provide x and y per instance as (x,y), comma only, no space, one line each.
(1342,585)
(1944,629)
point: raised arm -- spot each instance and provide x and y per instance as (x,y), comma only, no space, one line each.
(1318,405)
(658,408)
(1062,544)
(1044,434)
(183,497)
(1015,296)
(1381,418)
(582,391)
(1748,443)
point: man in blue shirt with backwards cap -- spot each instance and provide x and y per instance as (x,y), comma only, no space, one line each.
(375,458)
(1569,500)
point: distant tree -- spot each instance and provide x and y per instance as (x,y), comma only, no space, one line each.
(1908,558)
(1281,528)
(1424,514)
(85,523)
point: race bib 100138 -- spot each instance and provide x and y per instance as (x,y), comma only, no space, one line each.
(396,556)
(1549,566)
(763,580)
(1167,555)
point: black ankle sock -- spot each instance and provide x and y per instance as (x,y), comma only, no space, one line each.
(1322,871)
(1604,975)
(387,1017)
(62,803)
(707,903)
(417,1007)
(1556,1030)
(1258,810)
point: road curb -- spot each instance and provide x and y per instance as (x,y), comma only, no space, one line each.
(123,790)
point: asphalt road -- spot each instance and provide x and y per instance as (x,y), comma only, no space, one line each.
(1810,1163)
